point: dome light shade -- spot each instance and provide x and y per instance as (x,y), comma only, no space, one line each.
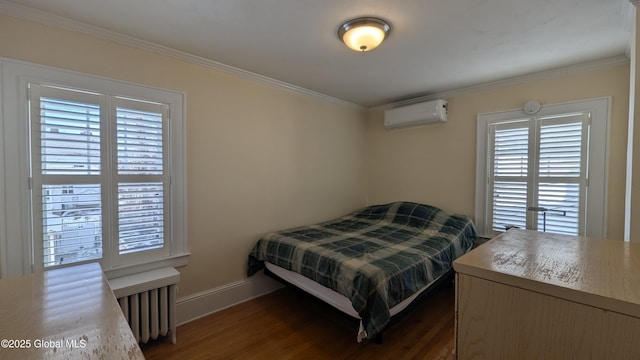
(364,34)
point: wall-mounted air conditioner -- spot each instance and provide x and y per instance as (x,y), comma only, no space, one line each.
(417,114)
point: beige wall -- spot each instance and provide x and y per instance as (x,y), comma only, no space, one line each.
(259,157)
(436,164)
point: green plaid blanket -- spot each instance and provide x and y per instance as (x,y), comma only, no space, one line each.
(376,257)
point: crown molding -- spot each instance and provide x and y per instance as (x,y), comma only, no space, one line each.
(516,80)
(635,3)
(45,18)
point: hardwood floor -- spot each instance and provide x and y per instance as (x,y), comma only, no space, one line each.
(289,325)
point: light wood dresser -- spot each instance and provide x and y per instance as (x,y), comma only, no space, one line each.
(533,295)
(68,313)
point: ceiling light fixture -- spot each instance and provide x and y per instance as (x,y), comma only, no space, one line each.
(364,34)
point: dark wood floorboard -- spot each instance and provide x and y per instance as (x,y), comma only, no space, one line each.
(288,325)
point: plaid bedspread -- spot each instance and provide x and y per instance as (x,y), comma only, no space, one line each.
(376,257)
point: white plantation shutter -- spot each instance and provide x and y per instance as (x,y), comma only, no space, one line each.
(140,139)
(537,173)
(66,175)
(509,174)
(561,146)
(95,208)
(562,173)
(140,217)
(70,135)
(141,175)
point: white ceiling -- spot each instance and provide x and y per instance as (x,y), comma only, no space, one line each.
(434,45)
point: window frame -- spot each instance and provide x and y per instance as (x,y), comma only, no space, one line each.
(597,166)
(16,255)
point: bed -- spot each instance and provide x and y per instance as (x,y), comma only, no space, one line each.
(370,264)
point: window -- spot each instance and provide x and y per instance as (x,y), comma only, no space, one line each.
(104,166)
(545,172)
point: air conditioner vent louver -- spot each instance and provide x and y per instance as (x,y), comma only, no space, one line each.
(417,114)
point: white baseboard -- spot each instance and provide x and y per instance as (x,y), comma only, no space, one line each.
(209,301)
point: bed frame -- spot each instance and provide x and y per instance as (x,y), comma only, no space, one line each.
(341,303)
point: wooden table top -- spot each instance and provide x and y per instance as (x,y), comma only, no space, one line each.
(596,272)
(67,313)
